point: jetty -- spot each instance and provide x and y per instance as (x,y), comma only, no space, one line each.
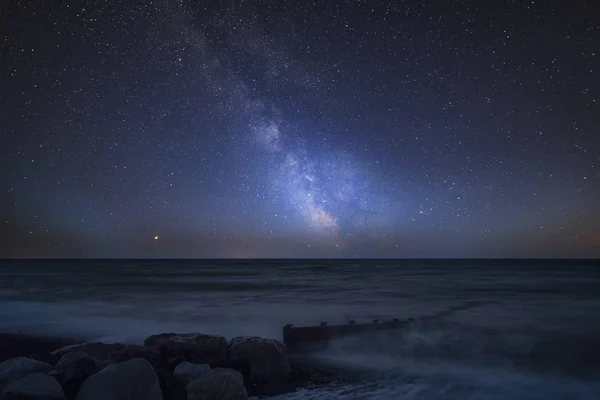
(318,336)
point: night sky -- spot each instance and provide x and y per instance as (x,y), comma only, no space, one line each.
(288,128)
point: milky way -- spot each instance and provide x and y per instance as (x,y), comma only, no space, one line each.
(324,186)
(327,191)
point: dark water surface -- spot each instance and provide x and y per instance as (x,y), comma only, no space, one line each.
(504,329)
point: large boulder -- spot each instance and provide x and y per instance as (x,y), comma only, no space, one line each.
(263,363)
(100,365)
(16,368)
(217,384)
(72,369)
(183,374)
(196,348)
(187,371)
(96,350)
(151,354)
(132,380)
(37,386)
(76,364)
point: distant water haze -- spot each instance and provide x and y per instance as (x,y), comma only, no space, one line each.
(504,329)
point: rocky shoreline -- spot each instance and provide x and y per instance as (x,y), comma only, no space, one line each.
(168,366)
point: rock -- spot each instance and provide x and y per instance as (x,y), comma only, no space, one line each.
(37,386)
(196,348)
(100,365)
(72,369)
(151,354)
(156,340)
(47,358)
(263,363)
(187,371)
(218,384)
(96,350)
(16,368)
(76,359)
(132,380)
(183,374)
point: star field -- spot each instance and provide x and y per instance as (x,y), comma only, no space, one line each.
(300,129)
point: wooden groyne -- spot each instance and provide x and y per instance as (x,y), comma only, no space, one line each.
(320,335)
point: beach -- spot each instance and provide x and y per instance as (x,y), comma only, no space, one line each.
(519,329)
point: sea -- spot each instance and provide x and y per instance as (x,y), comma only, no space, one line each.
(482,329)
